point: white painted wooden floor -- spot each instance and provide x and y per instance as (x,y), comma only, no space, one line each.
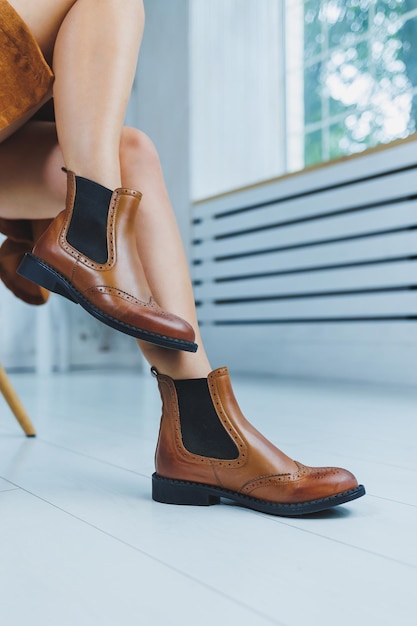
(82,543)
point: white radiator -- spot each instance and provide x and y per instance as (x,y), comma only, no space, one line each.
(314,274)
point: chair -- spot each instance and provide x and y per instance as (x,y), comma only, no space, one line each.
(14,403)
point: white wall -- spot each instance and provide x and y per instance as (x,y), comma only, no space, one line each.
(237,82)
(160,104)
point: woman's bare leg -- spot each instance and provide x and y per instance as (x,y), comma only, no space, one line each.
(94,62)
(95,46)
(162,254)
(32,186)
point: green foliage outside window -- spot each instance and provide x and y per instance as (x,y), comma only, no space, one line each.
(360,75)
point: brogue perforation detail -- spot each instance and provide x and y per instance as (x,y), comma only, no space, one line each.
(324,473)
(129,192)
(114,291)
(228,426)
(68,214)
(152,304)
(274,479)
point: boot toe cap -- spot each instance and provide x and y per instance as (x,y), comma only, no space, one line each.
(308,484)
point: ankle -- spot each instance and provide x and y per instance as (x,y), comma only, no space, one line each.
(96,170)
(177,365)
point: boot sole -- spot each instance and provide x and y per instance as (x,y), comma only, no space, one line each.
(170,491)
(40,273)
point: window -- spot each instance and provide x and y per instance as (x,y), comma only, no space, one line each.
(359,75)
(279,85)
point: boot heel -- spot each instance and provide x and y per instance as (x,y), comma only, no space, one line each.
(39,273)
(177,492)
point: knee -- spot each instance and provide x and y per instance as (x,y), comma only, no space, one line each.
(137,148)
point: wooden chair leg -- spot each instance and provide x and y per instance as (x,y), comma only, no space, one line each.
(14,403)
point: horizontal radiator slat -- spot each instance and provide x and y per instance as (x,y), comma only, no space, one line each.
(395,245)
(342,279)
(386,219)
(317,334)
(344,306)
(314,205)
(241,228)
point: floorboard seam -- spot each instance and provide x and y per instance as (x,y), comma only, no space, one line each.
(157,560)
(340,542)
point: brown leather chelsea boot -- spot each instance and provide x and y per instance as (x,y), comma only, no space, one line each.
(88,254)
(207,450)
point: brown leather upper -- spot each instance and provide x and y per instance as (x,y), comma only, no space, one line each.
(116,287)
(261,470)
